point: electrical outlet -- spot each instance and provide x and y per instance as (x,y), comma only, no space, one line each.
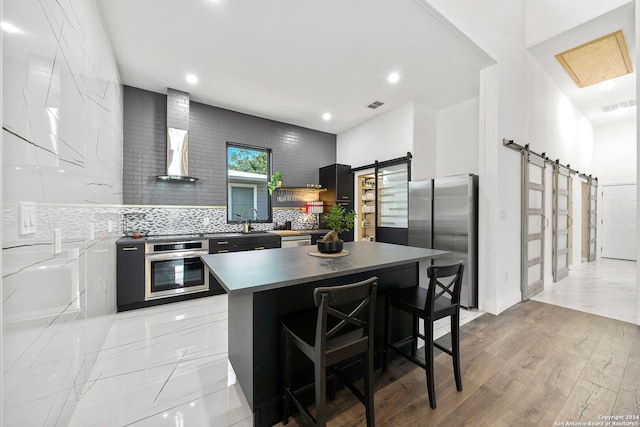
(110,226)
(92,231)
(205,220)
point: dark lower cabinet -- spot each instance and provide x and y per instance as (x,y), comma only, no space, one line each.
(130,269)
(317,236)
(129,274)
(244,243)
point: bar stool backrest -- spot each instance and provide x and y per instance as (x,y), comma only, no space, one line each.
(445,282)
(348,308)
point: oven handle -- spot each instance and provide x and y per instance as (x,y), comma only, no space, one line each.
(175,255)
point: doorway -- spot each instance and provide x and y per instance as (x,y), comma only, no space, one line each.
(619,228)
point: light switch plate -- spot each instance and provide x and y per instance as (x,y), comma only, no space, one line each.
(92,231)
(57,241)
(27,218)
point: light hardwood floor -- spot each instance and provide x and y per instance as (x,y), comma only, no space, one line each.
(534,365)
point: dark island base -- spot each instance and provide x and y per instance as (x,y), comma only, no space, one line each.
(258,315)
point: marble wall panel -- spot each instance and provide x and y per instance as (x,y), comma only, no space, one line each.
(62,149)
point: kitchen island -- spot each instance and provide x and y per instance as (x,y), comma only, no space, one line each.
(264,286)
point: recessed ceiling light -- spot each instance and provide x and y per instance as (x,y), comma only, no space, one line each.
(326,116)
(10,28)
(393,77)
(192,78)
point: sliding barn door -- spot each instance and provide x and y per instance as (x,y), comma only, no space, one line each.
(560,226)
(592,214)
(533,225)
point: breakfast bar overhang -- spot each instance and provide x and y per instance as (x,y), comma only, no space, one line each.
(264,286)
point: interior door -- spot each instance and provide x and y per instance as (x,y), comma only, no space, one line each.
(533,224)
(619,227)
(560,227)
(392,203)
(592,214)
(570,218)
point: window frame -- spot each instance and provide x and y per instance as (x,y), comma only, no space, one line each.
(268,151)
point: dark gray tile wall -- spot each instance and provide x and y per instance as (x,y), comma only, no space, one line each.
(177,109)
(297,152)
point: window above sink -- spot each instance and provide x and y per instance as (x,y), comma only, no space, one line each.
(248,171)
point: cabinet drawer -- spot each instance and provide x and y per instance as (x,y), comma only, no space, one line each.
(259,240)
(257,247)
(220,246)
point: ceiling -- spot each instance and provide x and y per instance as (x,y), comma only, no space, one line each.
(591,99)
(291,60)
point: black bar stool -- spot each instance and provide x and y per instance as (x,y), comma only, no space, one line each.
(439,300)
(341,328)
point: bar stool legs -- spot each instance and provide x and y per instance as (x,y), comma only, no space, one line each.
(439,300)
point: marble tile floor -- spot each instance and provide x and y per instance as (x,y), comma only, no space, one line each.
(168,366)
(165,366)
(606,287)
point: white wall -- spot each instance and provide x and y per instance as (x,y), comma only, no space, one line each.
(548,18)
(62,149)
(442,142)
(615,153)
(385,137)
(425,148)
(1,221)
(497,26)
(458,134)
(637,8)
(518,101)
(557,127)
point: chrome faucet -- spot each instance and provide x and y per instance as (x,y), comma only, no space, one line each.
(251,211)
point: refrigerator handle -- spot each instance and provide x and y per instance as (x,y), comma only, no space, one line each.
(546,221)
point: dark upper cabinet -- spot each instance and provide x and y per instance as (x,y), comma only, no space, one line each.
(338,180)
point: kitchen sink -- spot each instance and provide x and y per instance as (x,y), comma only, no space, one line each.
(254,232)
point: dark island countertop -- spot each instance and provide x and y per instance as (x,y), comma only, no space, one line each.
(255,271)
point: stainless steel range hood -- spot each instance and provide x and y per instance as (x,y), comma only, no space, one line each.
(177,138)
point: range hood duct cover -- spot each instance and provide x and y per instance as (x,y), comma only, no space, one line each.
(177,139)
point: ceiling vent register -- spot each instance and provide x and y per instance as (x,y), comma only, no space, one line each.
(375,104)
(619,105)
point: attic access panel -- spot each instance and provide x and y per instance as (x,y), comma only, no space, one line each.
(598,60)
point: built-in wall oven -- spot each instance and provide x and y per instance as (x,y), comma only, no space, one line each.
(175,268)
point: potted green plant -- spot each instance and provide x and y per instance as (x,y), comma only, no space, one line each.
(276,181)
(338,219)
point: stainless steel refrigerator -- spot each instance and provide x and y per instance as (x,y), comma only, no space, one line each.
(443,214)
